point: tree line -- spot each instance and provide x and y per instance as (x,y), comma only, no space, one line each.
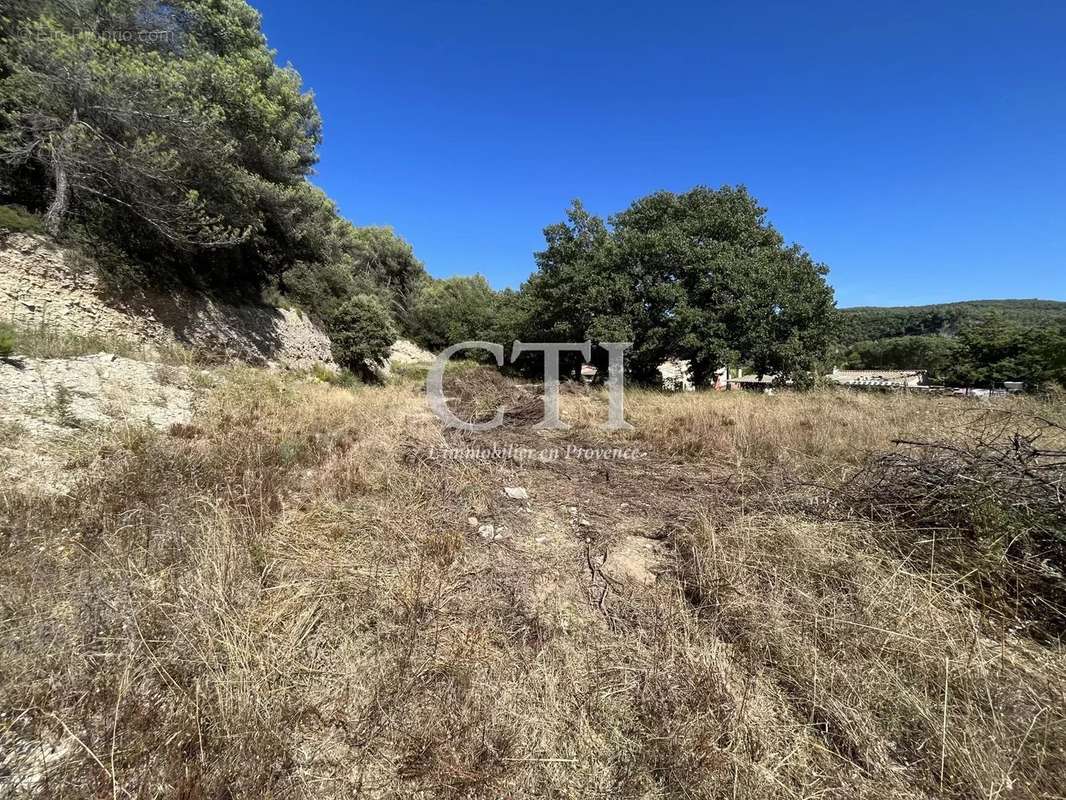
(988,352)
(870,323)
(162,138)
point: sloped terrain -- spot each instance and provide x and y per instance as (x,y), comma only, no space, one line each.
(45,286)
(945,319)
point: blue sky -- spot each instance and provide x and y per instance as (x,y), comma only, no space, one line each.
(919,150)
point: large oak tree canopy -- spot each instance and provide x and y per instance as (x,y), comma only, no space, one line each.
(700,276)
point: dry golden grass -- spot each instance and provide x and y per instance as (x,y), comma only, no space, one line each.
(43,340)
(286,599)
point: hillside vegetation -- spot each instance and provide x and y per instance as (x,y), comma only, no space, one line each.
(863,323)
(981,343)
(179,151)
(163,141)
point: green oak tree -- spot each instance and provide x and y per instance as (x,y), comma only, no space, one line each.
(700,276)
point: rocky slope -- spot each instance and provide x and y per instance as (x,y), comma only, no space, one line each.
(42,285)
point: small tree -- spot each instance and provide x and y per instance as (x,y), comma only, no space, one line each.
(362,333)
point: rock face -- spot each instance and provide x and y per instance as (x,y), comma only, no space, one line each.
(39,285)
(405,352)
(52,393)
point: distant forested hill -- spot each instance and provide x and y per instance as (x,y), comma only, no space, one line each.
(977,343)
(866,323)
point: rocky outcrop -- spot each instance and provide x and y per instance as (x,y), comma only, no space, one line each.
(49,394)
(404,352)
(40,284)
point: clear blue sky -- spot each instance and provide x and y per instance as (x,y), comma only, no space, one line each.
(918,149)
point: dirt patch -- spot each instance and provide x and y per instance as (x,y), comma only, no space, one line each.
(634,561)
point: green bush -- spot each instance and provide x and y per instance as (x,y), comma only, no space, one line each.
(362,333)
(7,341)
(18,219)
(344,379)
(322,373)
(450,311)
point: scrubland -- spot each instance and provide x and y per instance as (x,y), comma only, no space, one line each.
(297,595)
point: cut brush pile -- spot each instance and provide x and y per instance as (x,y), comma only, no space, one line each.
(991,502)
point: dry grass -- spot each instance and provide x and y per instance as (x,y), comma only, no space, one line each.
(898,680)
(285,599)
(44,340)
(11,432)
(811,433)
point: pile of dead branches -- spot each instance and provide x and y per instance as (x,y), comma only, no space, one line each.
(475,394)
(995,469)
(993,495)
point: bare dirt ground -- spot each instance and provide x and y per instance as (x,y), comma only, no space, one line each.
(305,592)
